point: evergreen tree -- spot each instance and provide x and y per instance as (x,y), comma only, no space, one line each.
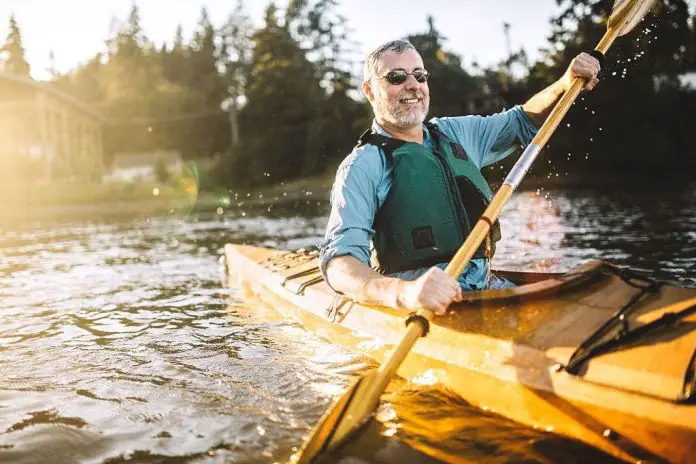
(203,61)
(236,59)
(175,61)
(453,89)
(621,115)
(12,59)
(283,95)
(206,88)
(84,83)
(323,33)
(692,45)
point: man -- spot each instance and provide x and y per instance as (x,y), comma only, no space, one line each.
(415,190)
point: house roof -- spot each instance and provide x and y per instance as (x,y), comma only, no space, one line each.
(44,87)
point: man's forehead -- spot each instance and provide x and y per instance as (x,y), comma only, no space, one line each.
(408,60)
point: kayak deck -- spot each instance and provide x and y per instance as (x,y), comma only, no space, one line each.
(508,350)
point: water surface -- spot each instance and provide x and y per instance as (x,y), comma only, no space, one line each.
(119,342)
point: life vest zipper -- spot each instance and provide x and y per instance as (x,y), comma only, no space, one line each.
(453,191)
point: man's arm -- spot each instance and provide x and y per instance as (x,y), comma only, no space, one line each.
(345,255)
(434,290)
(540,105)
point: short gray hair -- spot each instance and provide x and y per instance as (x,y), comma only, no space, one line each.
(372,60)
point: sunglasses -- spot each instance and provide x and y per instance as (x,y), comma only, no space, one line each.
(399,76)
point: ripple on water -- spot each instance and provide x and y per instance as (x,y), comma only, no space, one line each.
(118,341)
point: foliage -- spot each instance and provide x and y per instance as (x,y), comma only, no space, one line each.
(12,59)
(282,101)
(628,117)
(452,89)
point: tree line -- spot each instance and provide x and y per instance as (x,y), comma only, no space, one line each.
(282,101)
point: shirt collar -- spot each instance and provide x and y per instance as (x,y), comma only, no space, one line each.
(377,129)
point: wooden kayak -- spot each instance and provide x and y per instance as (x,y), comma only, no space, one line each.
(600,354)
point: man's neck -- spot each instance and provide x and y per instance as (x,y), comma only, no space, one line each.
(410,134)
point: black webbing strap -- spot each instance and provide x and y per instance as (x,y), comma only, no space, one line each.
(457,150)
(387,144)
(594,344)
(422,320)
(688,394)
(626,336)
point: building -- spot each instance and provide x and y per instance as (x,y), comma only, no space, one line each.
(132,167)
(46,134)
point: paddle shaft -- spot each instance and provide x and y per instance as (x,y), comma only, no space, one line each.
(483,226)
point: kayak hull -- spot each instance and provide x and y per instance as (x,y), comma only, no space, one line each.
(505,350)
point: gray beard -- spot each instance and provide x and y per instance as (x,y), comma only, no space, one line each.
(401,118)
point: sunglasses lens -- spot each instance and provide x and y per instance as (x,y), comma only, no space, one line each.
(397,77)
(421,76)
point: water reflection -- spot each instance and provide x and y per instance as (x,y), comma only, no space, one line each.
(118,341)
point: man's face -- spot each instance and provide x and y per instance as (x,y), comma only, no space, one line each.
(403,105)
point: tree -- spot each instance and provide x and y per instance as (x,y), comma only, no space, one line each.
(236,61)
(692,44)
(207,89)
(283,95)
(323,33)
(455,89)
(627,115)
(175,61)
(12,59)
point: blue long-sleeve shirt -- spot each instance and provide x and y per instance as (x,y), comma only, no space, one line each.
(364,178)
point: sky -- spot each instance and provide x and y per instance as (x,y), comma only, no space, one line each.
(473,28)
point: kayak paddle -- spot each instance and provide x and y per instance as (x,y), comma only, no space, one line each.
(355,407)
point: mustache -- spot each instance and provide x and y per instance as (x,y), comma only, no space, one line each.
(406,95)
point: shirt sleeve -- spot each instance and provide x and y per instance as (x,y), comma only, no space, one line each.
(489,139)
(354,203)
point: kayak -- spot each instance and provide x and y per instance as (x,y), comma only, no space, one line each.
(601,353)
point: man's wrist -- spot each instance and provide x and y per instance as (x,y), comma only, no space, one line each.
(395,287)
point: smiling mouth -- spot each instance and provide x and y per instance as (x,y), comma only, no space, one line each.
(410,101)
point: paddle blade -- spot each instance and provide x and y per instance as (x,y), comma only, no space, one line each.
(627,13)
(347,414)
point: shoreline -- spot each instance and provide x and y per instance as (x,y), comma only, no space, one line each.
(308,190)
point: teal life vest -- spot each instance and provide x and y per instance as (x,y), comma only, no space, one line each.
(435,199)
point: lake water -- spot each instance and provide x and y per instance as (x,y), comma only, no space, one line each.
(119,343)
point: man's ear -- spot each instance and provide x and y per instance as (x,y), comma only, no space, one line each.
(367,89)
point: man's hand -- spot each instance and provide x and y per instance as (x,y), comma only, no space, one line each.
(584,66)
(539,106)
(435,290)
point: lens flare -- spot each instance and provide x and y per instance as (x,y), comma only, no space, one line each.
(187,188)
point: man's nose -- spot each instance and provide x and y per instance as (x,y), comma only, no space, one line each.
(411,82)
